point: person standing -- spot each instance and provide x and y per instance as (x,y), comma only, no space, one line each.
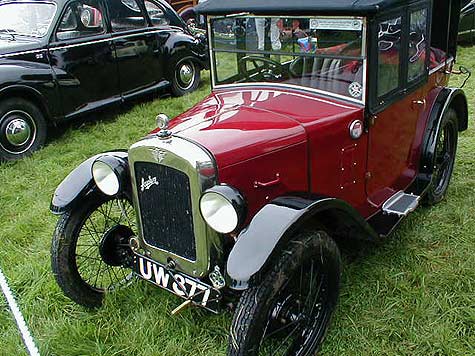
(274,34)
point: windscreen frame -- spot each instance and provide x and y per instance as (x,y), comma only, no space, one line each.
(363,57)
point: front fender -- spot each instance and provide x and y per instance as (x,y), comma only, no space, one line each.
(79,184)
(278,221)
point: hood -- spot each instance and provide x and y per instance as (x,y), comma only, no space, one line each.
(238,125)
(8,46)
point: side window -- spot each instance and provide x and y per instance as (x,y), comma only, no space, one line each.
(68,22)
(80,19)
(126,15)
(389,56)
(417,44)
(156,14)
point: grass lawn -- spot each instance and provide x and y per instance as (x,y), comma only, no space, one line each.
(411,295)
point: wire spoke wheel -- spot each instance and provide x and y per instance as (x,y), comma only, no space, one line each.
(102,224)
(90,250)
(295,318)
(289,311)
(444,157)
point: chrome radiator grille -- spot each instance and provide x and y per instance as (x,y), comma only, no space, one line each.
(168,177)
(166,208)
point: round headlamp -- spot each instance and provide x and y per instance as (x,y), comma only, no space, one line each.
(223,208)
(107,172)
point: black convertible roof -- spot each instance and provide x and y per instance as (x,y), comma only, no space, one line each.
(298,7)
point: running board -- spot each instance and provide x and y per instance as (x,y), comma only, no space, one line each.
(401,204)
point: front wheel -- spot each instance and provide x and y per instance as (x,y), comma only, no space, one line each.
(185,78)
(446,147)
(289,311)
(22,129)
(90,253)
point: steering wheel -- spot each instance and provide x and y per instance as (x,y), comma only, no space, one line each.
(263,68)
(296,67)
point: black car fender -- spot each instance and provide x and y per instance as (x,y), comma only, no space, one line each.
(275,224)
(182,45)
(28,93)
(80,184)
(31,81)
(448,98)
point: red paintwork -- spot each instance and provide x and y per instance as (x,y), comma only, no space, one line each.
(437,82)
(301,142)
(389,148)
(236,127)
(264,132)
(396,139)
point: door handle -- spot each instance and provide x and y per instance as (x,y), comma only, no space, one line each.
(419,102)
(276,181)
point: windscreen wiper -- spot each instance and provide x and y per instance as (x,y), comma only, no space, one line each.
(9,32)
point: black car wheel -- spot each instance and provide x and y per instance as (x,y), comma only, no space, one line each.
(445,151)
(186,77)
(289,311)
(90,253)
(22,129)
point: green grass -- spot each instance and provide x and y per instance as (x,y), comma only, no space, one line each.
(411,295)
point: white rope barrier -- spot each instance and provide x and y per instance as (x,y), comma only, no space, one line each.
(20,321)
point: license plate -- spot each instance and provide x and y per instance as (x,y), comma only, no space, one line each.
(177,283)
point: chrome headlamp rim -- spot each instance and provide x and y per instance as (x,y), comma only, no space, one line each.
(235,200)
(108,174)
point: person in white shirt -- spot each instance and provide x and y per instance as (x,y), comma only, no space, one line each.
(274,34)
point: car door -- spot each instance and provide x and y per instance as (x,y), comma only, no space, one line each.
(83,58)
(136,46)
(401,73)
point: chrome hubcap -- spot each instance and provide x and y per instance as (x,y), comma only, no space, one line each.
(18,132)
(186,75)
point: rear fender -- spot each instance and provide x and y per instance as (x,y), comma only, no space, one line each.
(182,45)
(448,98)
(80,184)
(277,222)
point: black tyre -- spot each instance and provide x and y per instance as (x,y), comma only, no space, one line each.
(186,76)
(446,148)
(289,311)
(90,254)
(22,129)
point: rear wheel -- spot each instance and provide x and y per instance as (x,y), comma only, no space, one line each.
(289,312)
(186,77)
(446,148)
(90,253)
(22,129)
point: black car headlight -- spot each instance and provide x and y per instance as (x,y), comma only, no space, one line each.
(223,208)
(108,173)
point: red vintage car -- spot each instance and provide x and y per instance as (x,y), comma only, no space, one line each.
(327,120)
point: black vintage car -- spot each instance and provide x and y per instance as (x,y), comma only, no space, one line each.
(467,21)
(63,58)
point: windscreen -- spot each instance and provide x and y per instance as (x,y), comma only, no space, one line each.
(320,53)
(27,19)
